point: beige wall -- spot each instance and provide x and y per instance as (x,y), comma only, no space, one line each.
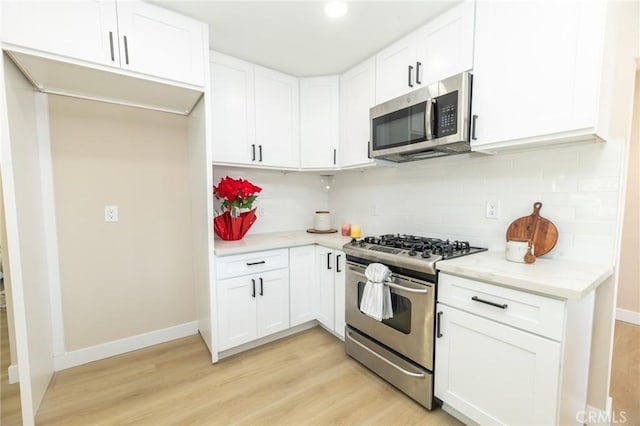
(135,276)
(629,283)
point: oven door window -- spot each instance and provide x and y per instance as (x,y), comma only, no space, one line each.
(402,127)
(401,319)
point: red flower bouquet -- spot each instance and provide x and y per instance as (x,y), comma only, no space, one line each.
(236,195)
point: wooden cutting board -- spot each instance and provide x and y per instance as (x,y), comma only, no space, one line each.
(540,231)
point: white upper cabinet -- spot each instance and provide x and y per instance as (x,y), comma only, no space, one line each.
(537,71)
(396,69)
(128,35)
(439,49)
(319,122)
(357,96)
(161,43)
(85,30)
(445,44)
(233,109)
(277,119)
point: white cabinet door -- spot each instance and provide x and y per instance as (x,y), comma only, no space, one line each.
(396,69)
(339,280)
(496,374)
(86,30)
(325,262)
(158,42)
(357,96)
(302,284)
(233,111)
(236,311)
(277,119)
(445,44)
(319,121)
(537,68)
(272,290)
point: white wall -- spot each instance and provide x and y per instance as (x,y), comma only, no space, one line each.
(135,276)
(287,201)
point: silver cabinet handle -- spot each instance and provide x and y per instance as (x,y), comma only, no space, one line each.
(397,367)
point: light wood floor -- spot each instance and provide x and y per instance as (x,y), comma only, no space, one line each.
(9,394)
(625,373)
(302,380)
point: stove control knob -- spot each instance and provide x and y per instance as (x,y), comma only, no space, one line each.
(362,243)
(425,254)
(354,241)
(412,252)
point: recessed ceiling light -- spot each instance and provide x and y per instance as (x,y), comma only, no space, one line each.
(335,9)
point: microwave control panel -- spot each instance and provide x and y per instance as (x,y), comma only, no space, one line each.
(446,114)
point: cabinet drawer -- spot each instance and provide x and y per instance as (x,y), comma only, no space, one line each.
(537,314)
(250,263)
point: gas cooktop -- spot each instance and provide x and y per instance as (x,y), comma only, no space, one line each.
(408,251)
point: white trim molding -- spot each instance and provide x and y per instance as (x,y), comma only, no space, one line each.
(128,344)
(13,374)
(626,315)
(593,416)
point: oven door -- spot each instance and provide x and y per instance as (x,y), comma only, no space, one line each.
(410,330)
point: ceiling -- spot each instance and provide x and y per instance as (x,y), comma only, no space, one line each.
(297,38)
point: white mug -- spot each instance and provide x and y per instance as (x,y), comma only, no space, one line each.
(516,250)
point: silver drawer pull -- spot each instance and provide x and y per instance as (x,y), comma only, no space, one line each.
(397,367)
(486,302)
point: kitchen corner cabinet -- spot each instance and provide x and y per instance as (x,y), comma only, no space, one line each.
(130,35)
(319,122)
(255,303)
(357,96)
(509,357)
(441,48)
(537,71)
(277,107)
(302,284)
(331,289)
(255,114)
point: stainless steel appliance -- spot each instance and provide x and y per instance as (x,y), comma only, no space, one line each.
(428,122)
(399,349)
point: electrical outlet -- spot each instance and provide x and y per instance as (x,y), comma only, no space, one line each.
(110,213)
(262,211)
(492,209)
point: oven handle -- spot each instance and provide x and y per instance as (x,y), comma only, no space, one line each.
(396,286)
(397,367)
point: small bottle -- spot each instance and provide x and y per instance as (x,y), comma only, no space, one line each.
(346,229)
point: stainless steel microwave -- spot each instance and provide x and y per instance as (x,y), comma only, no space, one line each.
(429,122)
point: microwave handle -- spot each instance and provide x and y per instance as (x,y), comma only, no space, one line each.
(431,118)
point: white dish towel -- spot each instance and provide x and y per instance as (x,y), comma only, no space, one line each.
(376,297)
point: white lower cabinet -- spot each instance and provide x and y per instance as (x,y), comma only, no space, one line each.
(253,302)
(493,373)
(330,289)
(302,284)
(499,359)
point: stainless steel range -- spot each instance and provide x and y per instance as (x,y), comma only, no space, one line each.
(399,349)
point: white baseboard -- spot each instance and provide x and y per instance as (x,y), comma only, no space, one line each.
(628,316)
(13,374)
(117,347)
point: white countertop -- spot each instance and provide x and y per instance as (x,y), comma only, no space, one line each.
(549,277)
(274,240)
